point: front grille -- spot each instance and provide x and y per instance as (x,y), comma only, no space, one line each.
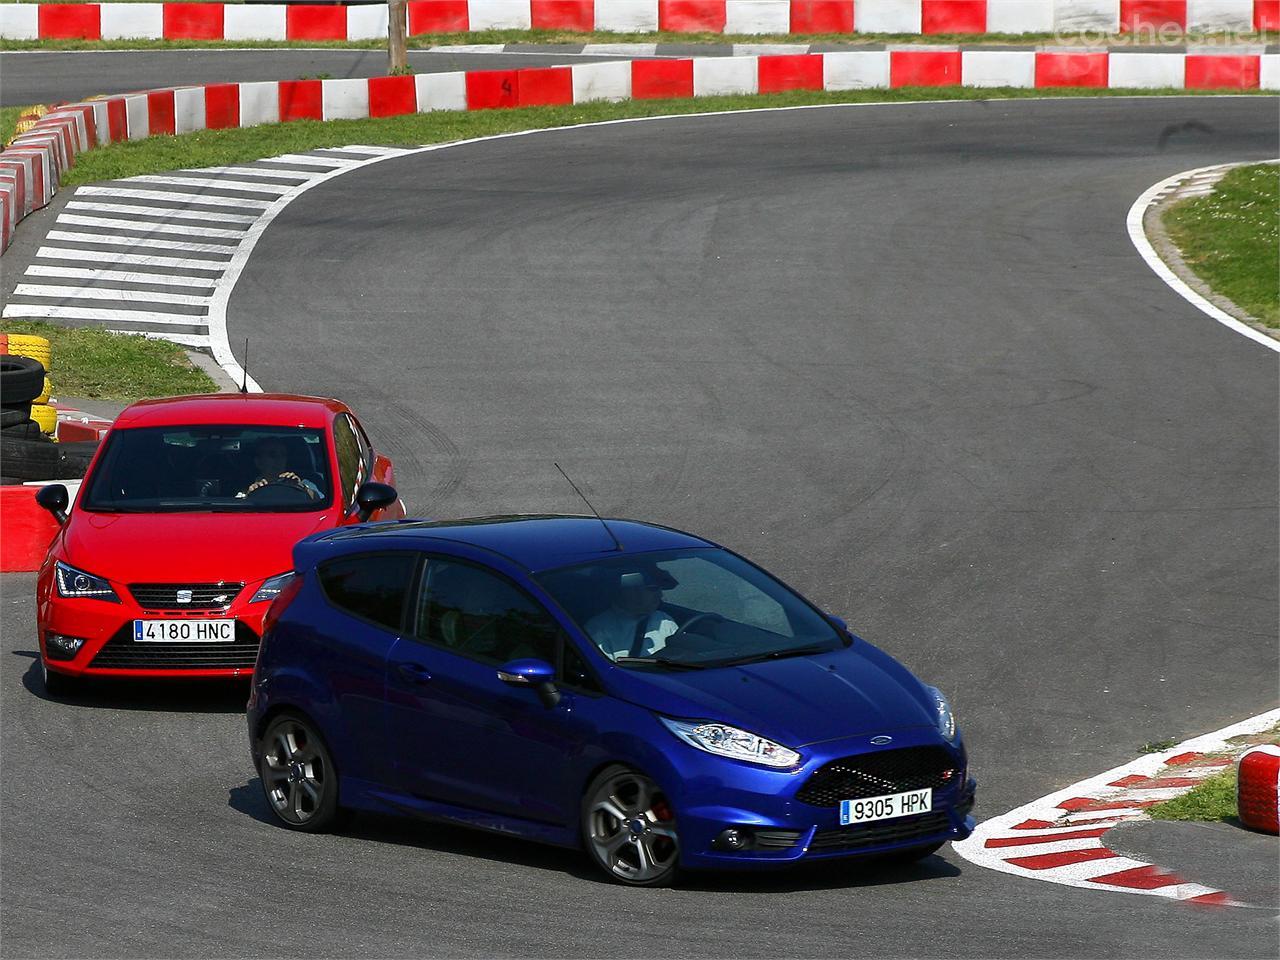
(123,652)
(776,839)
(876,774)
(194,596)
(861,836)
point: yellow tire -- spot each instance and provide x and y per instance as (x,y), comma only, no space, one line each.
(26,345)
(44,415)
(44,394)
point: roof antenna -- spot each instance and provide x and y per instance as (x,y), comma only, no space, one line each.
(244,382)
(617,543)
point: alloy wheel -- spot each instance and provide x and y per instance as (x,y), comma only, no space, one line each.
(295,772)
(631,830)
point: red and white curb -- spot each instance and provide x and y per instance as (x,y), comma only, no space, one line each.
(1189,183)
(276,21)
(1059,838)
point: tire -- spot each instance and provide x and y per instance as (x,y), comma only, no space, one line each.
(59,685)
(23,430)
(21,380)
(297,774)
(17,413)
(640,848)
(46,416)
(43,459)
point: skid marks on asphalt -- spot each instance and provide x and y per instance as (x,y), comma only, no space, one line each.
(151,254)
(1060,838)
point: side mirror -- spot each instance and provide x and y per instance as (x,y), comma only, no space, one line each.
(54,498)
(838,623)
(535,673)
(373,496)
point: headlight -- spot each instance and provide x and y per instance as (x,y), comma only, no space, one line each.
(271,587)
(77,583)
(946,718)
(726,741)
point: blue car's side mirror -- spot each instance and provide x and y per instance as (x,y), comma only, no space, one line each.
(838,623)
(534,673)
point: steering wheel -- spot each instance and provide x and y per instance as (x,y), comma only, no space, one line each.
(278,484)
(696,618)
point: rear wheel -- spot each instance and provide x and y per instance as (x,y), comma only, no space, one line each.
(629,829)
(298,776)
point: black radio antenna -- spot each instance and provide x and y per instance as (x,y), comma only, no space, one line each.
(244,381)
(616,542)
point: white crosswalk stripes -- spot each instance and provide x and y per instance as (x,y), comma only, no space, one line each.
(157,255)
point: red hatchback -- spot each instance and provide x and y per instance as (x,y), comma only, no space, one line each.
(183,531)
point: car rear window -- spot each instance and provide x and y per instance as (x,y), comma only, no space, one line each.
(372,587)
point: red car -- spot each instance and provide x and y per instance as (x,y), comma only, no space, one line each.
(183,531)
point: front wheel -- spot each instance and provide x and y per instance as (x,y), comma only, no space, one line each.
(298,776)
(629,829)
(58,684)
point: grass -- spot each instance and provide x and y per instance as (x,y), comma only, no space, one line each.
(420,41)
(219,147)
(1214,799)
(90,362)
(1231,239)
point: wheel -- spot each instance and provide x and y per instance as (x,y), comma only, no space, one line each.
(21,380)
(59,684)
(629,829)
(297,773)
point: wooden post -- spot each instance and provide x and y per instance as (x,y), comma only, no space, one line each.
(397,30)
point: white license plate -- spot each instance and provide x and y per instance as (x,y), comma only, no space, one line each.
(184,631)
(887,807)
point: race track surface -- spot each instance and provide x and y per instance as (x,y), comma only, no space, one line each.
(53,76)
(903,355)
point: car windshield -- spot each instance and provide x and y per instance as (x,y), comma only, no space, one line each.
(688,609)
(240,469)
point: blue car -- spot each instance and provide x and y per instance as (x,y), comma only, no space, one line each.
(624,687)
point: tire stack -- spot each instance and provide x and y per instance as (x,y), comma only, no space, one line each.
(27,422)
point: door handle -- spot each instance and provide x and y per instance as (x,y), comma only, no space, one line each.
(413,672)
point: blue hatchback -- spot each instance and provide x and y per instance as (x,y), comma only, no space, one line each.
(619,686)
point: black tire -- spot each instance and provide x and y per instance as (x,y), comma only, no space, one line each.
(22,430)
(14,414)
(21,380)
(646,856)
(297,774)
(42,459)
(59,685)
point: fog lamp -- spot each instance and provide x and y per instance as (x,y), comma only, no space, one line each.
(58,646)
(732,839)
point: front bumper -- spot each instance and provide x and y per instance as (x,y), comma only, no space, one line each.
(713,794)
(109,649)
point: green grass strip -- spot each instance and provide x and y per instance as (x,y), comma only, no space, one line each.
(1231,239)
(219,147)
(1213,799)
(91,362)
(419,41)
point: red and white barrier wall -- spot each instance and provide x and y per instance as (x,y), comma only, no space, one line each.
(32,167)
(216,21)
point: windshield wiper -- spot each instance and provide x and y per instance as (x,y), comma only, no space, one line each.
(774,655)
(663,661)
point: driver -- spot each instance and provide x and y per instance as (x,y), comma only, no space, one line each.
(270,463)
(633,625)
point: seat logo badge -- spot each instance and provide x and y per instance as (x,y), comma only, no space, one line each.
(184,596)
(881,740)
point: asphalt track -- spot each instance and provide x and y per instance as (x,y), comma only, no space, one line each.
(46,76)
(904,355)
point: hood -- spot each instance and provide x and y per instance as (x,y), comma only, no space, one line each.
(186,547)
(796,701)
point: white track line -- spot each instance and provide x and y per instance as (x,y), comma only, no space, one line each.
(1082,875)
(150,226)
(169,213)
(213,183)
(94,313)
(117,240)
(108,293)
(176,196)
(121,276)
(100,256)
(1138,235)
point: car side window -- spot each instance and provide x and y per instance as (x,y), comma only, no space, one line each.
(574,670)
(372,587)
(351,469)
(478,614)
(366,448)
